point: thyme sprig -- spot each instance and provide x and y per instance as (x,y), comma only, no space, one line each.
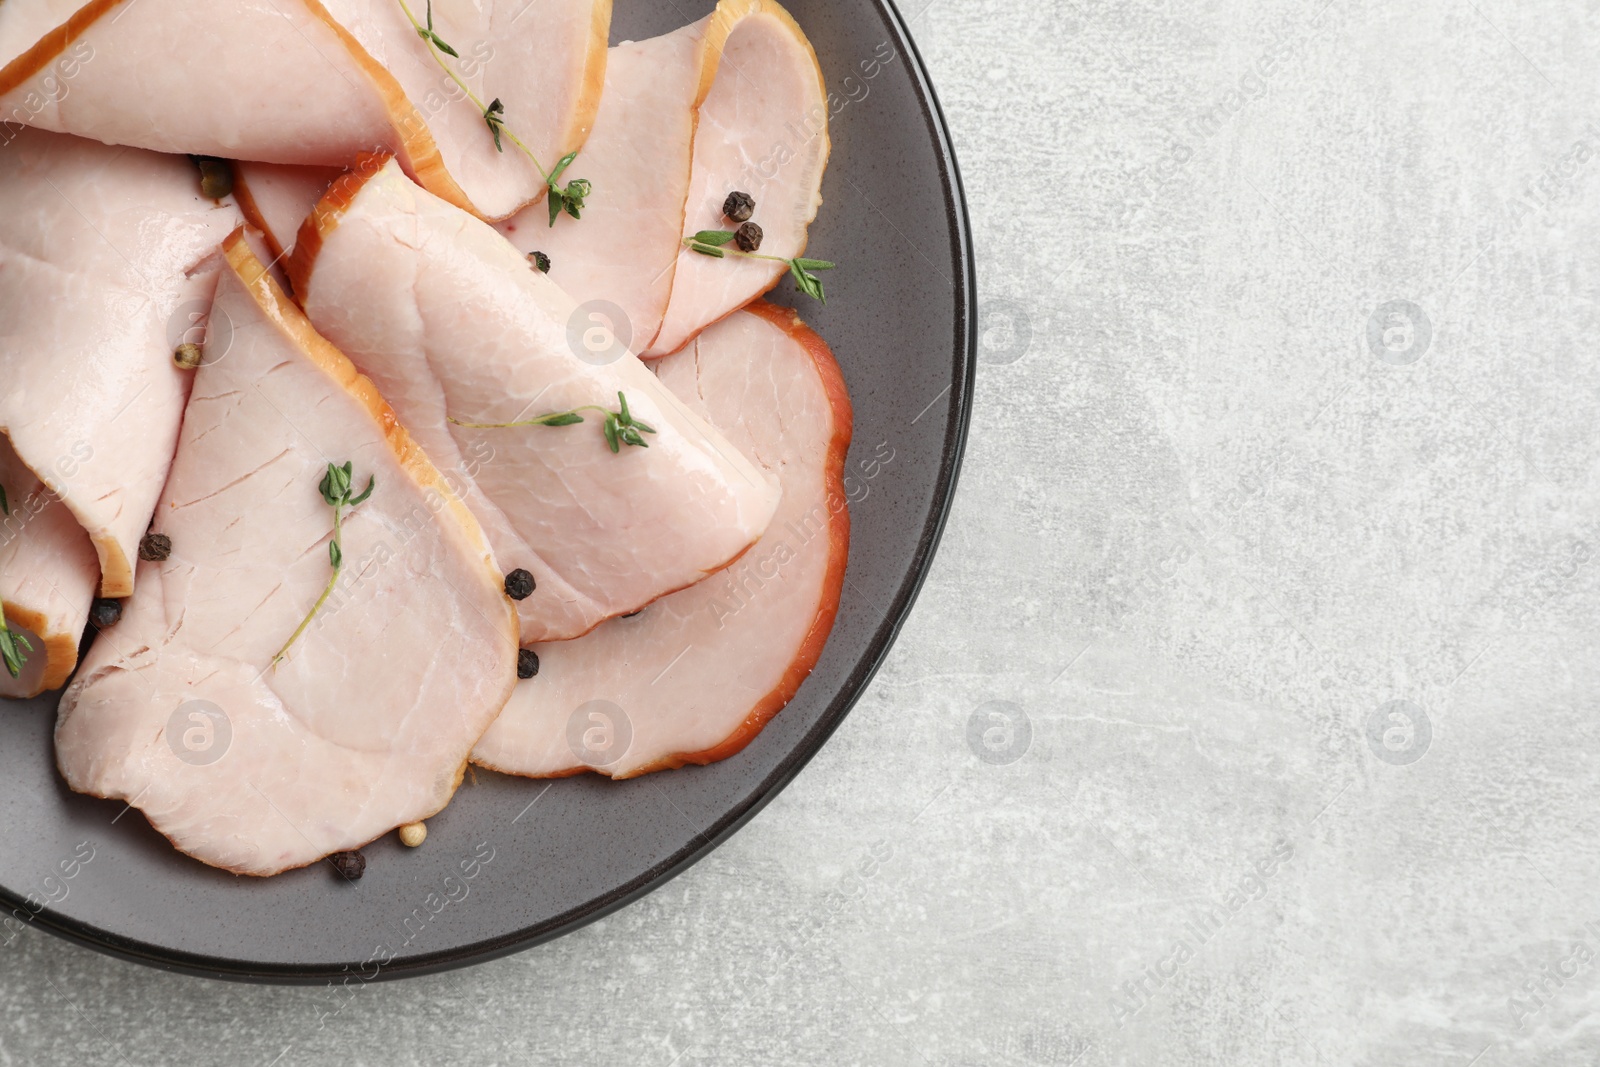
(433,38)
(619,427)
(714,243)
(335,486)
(13,646)
(568,198)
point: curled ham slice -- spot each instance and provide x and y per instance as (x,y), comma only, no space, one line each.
(733,101)
(48,575)
(106,259)
(309,82)
(696,676)
(367,722)
(456,328)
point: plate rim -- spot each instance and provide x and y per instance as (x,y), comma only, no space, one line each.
(731,821)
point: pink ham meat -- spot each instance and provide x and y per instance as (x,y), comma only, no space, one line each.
(453,324)
(48,575)
(106,255)
(367,723)
(695,677)
(315,83)
(734,101)
(276,198)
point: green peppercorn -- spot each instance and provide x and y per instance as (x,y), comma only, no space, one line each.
(216,176)
(186,356)
(739,206)
(155,548)
(748,237)
(350,865)
(519,584)
(527,663)
(105,612)
(540,261)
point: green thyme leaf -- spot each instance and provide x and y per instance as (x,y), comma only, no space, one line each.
(618,427)
(713,243)
(561,166)
(494,115)
(12,649)
(429,35)
(335,489)
(372,481)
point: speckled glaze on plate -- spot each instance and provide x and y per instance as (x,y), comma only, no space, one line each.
(563,853)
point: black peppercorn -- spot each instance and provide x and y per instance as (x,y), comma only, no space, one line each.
(155,547)
(748,237)
(540,261)
(105,612)
(519,584)
(739,207)
(350,865)
(527,663)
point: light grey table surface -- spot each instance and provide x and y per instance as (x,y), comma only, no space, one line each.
(1276,540)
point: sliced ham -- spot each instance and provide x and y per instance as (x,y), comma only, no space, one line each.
(453,324)
(366,724)
(695,676)
(48,575)
(315,83)
(733,101)
(106,255)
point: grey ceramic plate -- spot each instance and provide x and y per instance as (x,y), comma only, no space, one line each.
(561,854)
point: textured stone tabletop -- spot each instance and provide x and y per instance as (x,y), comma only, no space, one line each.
(1249,714)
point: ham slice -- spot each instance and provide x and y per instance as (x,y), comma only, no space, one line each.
(453,324)
(695,677)
(106,255)
(315,83)
(366,724)
(733,101)
(48,574)
(766,135)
